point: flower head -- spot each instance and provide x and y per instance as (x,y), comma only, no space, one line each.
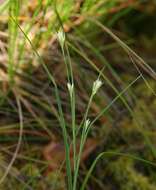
(70,88)
(61,37)
(87,124)
(96,85)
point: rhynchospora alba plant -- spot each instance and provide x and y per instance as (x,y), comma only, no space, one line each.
(86,123)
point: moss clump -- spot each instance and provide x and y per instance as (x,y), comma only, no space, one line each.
(128,178)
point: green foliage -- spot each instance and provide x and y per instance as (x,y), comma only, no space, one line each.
(125,174)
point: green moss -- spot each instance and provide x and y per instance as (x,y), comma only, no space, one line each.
(128,177)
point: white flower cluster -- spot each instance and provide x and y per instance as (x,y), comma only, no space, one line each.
(96,85)
(87,124)
(61,37)
(70,89)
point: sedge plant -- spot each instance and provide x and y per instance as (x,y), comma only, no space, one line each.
(85,123)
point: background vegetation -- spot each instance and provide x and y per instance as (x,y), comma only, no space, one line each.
(113,40)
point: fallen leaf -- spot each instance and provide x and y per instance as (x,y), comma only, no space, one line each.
(54,153)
